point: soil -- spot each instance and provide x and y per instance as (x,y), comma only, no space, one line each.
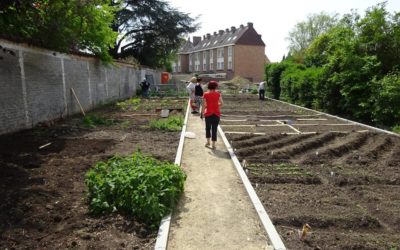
(42,172)
(341,179)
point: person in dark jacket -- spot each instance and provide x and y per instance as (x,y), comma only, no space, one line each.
(145,85)
(198,93)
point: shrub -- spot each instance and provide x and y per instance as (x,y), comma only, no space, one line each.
(137,185)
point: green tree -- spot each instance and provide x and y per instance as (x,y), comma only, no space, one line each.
(65,26)
(379,34)
(273,73)
(302,35)
(149,31)
(386,110)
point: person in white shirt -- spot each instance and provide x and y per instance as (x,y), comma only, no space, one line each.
(261,90)
(191,89)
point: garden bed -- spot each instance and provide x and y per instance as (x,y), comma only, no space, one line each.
(342,180)
(42,172)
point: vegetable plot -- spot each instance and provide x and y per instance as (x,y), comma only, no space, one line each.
(340,179)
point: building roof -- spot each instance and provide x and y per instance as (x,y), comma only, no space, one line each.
(244,35)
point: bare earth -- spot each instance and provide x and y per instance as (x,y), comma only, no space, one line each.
(215,211)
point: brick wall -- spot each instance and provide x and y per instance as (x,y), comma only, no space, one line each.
(249,62)
(35,84)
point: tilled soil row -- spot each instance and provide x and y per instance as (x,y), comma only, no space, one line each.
(343,180)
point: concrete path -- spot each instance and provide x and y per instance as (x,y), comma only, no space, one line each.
(215,211)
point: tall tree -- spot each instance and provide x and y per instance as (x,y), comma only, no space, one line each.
(379,33)
(66,26)
(302,35)
(149,31)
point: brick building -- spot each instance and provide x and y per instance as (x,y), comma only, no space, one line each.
(224,55)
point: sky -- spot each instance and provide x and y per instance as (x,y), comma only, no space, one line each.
(272,19)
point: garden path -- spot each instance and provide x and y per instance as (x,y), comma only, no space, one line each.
(215,211)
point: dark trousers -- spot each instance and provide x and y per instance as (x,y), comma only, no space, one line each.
(262,94)
(211,127)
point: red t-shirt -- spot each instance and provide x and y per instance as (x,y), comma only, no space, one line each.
(212,100)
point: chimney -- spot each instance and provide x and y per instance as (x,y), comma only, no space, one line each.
(196,40)
(250,25)
(233,28)
(204,37)
(221,32)
(215,33)
(241,26)
(227,30)
(208,35)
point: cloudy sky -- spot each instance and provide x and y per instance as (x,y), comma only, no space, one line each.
(273,19)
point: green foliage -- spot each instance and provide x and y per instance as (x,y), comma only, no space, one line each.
(273,73)
(65,26)
(396,129)
(138,185)
(150,31)
(387,104)
(303,34)
(349,69)
(95,120)
(171,123)
(299,84)
(130,104)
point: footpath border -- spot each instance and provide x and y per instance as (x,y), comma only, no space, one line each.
(163,230)
(337,117)
(273,236)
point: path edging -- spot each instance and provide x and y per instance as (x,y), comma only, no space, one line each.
(163,230)
(269,227)
(337,117)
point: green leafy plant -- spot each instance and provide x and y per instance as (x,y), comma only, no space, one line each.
(130,104)
(138,185)
(172,123)
(95,120)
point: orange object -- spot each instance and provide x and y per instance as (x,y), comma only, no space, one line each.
(164,77)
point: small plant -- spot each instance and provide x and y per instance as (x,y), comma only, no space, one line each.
(125,124)
(172,123)
(396,129)
(138,185)
(130,104)
(95,120)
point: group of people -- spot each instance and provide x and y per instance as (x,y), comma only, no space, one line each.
(208,104)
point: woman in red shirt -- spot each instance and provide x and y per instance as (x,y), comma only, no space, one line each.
(212,102)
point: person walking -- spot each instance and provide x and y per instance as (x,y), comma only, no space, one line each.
(198,93)
(190,89)
(212,102)
(261,91)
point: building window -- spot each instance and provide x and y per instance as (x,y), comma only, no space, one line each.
(205,60)
(220,59)
(220,52)
(197,61)
(230,57)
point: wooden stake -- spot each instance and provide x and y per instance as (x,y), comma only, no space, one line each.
(76,98)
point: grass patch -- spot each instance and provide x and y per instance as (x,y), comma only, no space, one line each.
(172,123)
(138,185)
